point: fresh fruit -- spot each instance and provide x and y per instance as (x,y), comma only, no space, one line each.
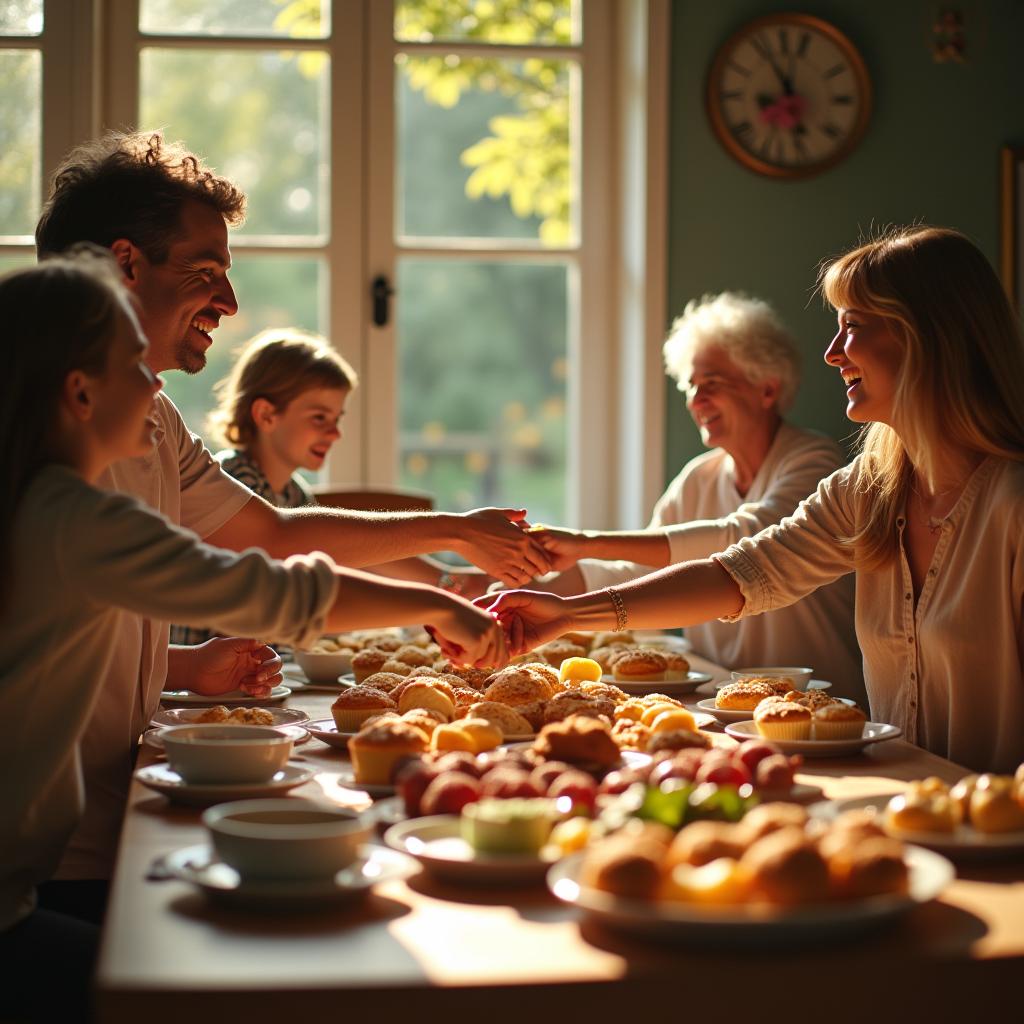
(579,787)
(449,793)
(753,752)
(509,782)
(544,774)
(621,779)
(730,773)
(684,768)
(774,772)
(458,761)
(412,782)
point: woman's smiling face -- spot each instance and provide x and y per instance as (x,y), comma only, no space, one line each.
(869,355)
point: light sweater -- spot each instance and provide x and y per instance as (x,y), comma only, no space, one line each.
(83,560)
(705,514)
(947,671)
(181,480)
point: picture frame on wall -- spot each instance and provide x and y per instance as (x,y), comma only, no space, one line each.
(1012,222)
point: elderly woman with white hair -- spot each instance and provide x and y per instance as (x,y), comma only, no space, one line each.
(740,370)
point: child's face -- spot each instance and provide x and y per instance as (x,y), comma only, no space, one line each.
(302,433)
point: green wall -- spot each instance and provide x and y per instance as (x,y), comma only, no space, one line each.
(931,153)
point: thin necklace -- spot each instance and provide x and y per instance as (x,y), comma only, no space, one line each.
(934,523)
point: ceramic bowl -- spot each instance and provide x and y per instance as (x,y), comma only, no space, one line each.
(323,668)
(800,676)
(219,754)
(288,838)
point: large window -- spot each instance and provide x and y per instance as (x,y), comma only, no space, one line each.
(461,160)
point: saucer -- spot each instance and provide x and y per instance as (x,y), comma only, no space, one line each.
(710,689)
(347,779)
(188,716)
(163,779)
(669,687)
(236,697)
(223,884)
(326,731)
(874,732)
(437,844)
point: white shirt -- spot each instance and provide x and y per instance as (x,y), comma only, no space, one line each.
(82,559)
(949,671)
(711,514)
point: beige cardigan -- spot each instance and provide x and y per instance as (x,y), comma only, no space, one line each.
(948,672)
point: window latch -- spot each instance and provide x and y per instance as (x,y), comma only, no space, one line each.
(381,291)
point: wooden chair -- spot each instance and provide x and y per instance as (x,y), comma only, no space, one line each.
(374,501)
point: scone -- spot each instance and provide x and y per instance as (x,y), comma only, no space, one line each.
(517,685)
(744,696)
(640,666)
(676,666)
(356,704)
(376,751)
(779,719)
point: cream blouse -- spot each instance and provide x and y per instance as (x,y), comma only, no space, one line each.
(948,671)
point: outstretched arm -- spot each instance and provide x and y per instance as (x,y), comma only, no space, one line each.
(490,538)
(683,595)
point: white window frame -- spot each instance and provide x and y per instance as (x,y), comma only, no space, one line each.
(616,443)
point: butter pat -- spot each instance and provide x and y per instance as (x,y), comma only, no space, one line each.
(516,825)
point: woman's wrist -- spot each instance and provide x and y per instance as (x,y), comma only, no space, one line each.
(594,610)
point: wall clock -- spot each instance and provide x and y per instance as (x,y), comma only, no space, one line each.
(788,95)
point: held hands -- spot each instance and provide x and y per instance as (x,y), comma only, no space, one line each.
(564,548)
(469,636)
(231,663)
(495,540)
(528,618)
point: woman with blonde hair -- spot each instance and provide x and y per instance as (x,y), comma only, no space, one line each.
(930,515)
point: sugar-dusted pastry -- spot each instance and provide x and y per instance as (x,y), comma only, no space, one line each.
(743,696)
(606,656)
(574,702)
(779,719)
(428,693)
(838,722)
(556,651)
(368,661)
(677,739)
(217,713)
(356,704)
(642,665)
(812,699)
(676,666)
(507,719)
(398,667)
(376,751)
(517,685)
(631,735)
(250,716)
(609,638)
(416,656)
(386,681)
(612,693)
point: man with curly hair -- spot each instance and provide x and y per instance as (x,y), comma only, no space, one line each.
(165,217)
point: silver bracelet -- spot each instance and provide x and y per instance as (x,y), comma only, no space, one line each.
(620,608)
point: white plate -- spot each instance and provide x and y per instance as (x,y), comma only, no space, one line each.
(164,780)
(188,716)
(436,843)
(669,687)
(874,732)
(726,715)
(710,689)
(965,843)
(929,875)
(234,697)
(198,865)
(297,678)
(347,779)
(154,737)
(326,730)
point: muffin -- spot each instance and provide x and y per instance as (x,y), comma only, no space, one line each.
(780,719)
(377,751)
(556,651)
(812,699)
(676,666)
(608,638)
(368,661)
(838,722)
(428,694)
(358,703)
(607,656)
(416,656)
(586,742)
(573,702)
(517,685)
(398,667)
(640,666)
(744,696)
(384,681)
(505,718)
(631,735)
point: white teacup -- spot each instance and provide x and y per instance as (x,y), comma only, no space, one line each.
(224,754)
(288,838)
(799,676)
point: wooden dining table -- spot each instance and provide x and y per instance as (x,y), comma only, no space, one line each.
(424,950)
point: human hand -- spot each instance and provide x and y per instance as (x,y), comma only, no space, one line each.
(529,618)
(232,663)
(494,539)
(468,635)
(564,548)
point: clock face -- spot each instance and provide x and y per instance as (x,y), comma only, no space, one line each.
(788,95)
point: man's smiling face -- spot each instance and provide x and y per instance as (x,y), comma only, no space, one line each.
(181,300)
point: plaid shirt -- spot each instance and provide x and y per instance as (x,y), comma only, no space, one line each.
(240,465)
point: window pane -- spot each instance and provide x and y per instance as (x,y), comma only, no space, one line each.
(484,148)
(271,293)
(512,22)
(21,17)
(482,388)
(302,18)
(12,261)
(20,134)
(260,117)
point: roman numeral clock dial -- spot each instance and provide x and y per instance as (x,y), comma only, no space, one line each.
(788,95)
